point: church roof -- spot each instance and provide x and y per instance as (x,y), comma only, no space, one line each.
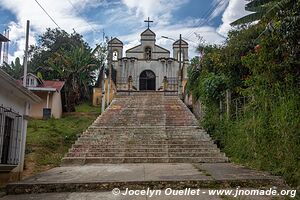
(163,49)
(148,32)
(115,41)
(133,48)
(183,42)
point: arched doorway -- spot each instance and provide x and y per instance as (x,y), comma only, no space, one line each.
(147,80)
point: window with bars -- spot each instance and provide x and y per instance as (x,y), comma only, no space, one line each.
(10,134)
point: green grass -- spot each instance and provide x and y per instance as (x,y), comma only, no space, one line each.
(87,108)
(49,140)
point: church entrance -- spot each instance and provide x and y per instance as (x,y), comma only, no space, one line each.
(147,80)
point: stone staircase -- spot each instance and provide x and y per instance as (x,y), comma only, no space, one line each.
(144,127)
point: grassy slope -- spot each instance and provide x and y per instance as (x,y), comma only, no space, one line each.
(49,140)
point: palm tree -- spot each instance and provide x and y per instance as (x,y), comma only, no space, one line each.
(77,68)
(263,10)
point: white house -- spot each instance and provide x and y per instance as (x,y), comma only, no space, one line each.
(15,102)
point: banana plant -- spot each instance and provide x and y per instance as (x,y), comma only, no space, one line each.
(263,10)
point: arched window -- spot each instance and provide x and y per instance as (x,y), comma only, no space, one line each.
(115,56)
(148,53)
(178,56)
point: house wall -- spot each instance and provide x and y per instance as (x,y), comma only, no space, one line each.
(55,104)
(36,110)
(10,98)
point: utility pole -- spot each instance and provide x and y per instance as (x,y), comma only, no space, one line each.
(180,67)
(103,89)
(109,70)
(0,51)
(5,47)
(26,54)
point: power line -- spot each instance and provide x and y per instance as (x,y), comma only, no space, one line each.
(203,17)
(47,14)
(78,12)
(207,17)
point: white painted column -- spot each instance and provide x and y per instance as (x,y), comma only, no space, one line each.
(47,105)
(23,140)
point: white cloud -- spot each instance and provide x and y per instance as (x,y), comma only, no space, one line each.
(155,9)
(64,13)
(17,38)
(234,11)
(220,7)
(129,13)
(209,34)
(161,12)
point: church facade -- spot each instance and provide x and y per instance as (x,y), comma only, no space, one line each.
(148,66)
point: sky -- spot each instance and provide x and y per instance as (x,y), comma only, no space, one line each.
(123,19)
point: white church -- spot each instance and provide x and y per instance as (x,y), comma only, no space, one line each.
(148,66)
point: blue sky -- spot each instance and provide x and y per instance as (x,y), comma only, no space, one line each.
(121,18)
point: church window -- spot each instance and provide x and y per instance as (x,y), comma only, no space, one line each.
(148,53)
(115,56)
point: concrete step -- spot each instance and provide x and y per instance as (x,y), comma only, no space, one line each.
(144,131)
(142,141)
(126,137)
(149,150)
(115,160)
(144,154)
(145,135)
(94,127)
(137,131)
(180,146)
(93,141)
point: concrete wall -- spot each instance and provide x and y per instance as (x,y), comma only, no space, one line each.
(97,93)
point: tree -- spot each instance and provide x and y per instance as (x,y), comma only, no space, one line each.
(15,69)
(77,68)
(52,41)
(67,57)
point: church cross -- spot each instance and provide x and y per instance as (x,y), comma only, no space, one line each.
(148,21)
